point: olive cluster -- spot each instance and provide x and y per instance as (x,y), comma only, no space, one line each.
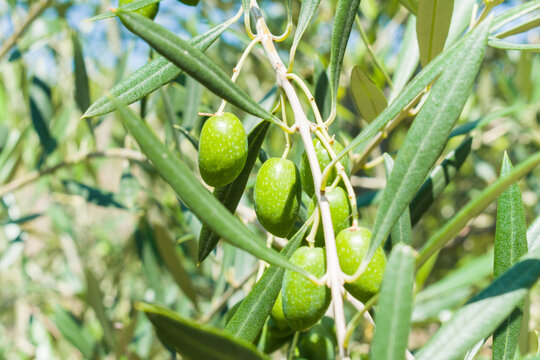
(277,197)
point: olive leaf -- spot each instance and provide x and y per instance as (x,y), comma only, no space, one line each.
(197,341)
(369,99)
(510,245)
(407,59)
(506,45)
(193,62)
(520,28)
(343,22)
(150,77)
(438,179)
(402,230)
(307,10)
(411,5)
(432,25)
(514,13)
(393,320)
(82,90)
(132,6)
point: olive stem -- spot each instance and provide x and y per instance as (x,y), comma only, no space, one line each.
(314,227)
(334,275)
(310,97)
(29,178)
(284,116)
(341,173)
(358,305)
(290,355)
(237,69)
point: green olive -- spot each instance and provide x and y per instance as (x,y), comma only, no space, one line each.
(223,149)
(324,159)
(304,303)
(352,245)
(277,195)
(340,210)
(277,314)
(149,11)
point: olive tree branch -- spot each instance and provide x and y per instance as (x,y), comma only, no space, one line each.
(334,275)
(24,180)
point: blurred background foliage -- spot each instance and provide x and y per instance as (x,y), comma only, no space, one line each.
(88,228)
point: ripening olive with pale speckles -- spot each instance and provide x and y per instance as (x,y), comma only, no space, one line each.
(340,211)
(324,159)
(352,245)
(305,303)
(223,149)
(149,11)
(277,195)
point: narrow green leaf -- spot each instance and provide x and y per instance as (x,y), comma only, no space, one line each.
(196,341)
(407,59)
(343,22)
(74,332)
(438,179)
(94,297)
(249,319)
(173,262)
(151,76)
(428,135)
(132,6)
(475,207)
(322,90)
(193,62)
(402,230)
(307,10)
(231,194)
(510,245)
(514,13)
(41,113)
(482,314)
(369,99)
(518,29)
(82,91)
(506,45)
(433,22)
(393,320)
(210,211)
